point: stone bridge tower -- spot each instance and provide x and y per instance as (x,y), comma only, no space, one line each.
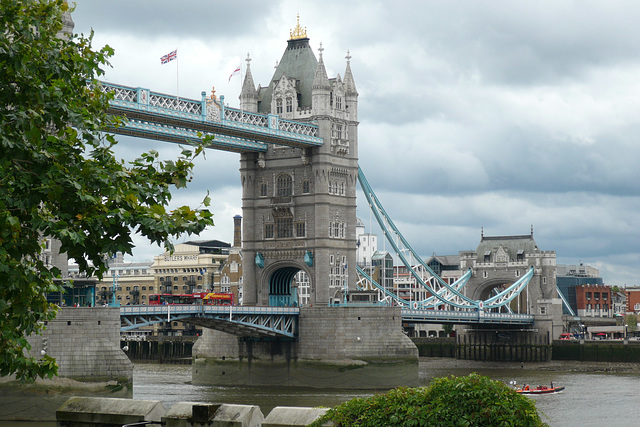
(299,204)
(499,261)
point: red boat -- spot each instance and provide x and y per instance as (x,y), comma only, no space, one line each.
(541,389)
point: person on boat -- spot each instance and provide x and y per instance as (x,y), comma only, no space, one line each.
(526,387)
(551,384)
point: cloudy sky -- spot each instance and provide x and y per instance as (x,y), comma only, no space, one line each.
(494,115)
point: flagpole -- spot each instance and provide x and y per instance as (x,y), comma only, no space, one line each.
(177,75)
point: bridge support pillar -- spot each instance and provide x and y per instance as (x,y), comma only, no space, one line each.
(337,347)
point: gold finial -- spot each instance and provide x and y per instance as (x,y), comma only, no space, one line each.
(298,32)
(213,93)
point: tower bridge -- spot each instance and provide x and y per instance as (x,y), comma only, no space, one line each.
(297,138)
(298,146)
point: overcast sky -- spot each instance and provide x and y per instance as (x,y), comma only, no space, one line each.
(500,115)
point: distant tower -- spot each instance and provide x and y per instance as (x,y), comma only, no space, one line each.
(299,204)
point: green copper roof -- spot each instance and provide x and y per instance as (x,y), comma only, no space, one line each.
(298,61)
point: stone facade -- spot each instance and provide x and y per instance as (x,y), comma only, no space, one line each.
(86,344)
(299,204)
(499,261)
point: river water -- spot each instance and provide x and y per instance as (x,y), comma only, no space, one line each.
(590,399)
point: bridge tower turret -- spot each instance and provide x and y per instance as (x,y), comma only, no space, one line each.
(249,94)
(299,204)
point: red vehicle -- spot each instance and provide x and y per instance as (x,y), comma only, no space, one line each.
(209,298)
(217,298)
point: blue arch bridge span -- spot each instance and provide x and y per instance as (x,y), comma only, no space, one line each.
(282,322)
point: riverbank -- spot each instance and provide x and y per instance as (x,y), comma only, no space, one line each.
(444,363)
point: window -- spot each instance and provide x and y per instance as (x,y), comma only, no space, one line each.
(485,274)
(263,189)
(268,231)
(284,227)
(300,229)
(543,310)
(279,106)
(150,288)
(339,102)
(144,288)
(305,186)
(289,105)
(588,296)
(284,185)
(517,273)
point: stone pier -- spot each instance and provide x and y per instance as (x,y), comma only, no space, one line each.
(337,347)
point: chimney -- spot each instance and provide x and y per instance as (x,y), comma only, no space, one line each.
(237,231)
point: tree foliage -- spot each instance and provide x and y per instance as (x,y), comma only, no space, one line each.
(632,322)
(473,400)
(59,176)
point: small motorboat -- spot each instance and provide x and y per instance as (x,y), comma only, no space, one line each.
(541,389)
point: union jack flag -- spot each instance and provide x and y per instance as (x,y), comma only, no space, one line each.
(169,57)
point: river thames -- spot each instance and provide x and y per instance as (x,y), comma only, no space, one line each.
(609,397)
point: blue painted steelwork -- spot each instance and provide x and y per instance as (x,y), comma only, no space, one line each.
(565,302)
(282,322)
(260,322)
(427,303)
(169,118)
(463,316)
(451,296)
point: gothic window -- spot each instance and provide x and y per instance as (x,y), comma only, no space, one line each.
(225,280)
(339,102)
(268,231)
(305,186)
(289,105)
(300,229)
(263,189)
(284,227)
(342,189)
(284,185)
(279,106)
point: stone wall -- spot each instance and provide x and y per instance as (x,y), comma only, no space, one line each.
(86,344)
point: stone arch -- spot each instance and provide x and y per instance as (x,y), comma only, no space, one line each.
(278,283)
(483,291)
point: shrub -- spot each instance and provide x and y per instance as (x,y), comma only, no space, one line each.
(472,400)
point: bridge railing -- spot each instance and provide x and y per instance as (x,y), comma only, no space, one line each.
(464,316)
(131,310)
(210,110)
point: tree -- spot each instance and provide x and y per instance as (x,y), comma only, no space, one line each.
(59,176)
(473,400)
(631,321)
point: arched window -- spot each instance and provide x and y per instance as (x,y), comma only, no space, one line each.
(279,106)
(289,105)
(284,185)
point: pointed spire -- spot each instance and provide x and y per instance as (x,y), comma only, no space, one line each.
(249,94)
(349,83)
(321,80)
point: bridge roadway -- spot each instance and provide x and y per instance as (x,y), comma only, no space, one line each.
(282,322)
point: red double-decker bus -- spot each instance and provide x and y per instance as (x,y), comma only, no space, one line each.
(209,298)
